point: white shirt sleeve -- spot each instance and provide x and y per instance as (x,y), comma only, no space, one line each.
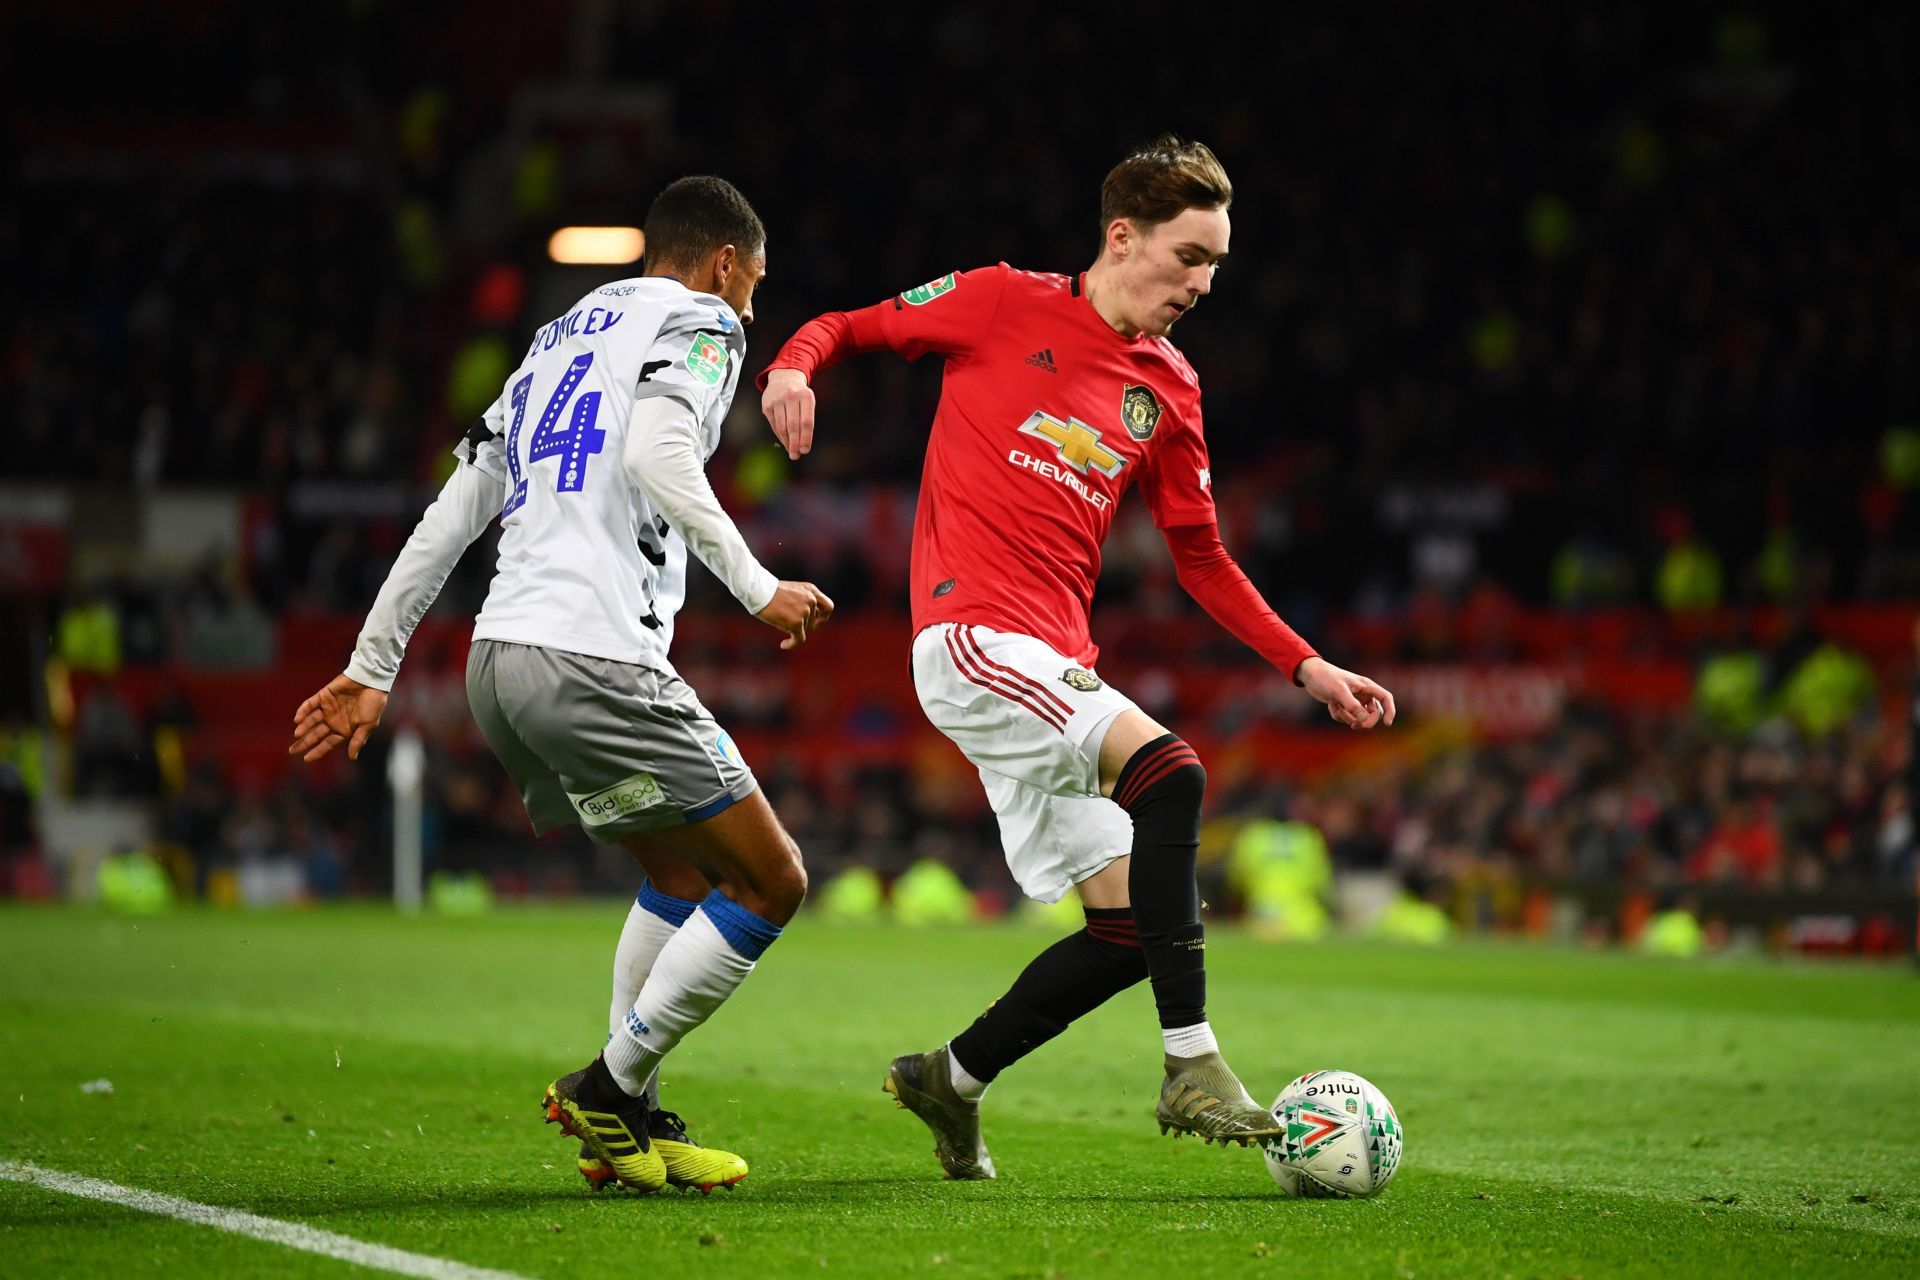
(664,457)
(466,505)
(697,356)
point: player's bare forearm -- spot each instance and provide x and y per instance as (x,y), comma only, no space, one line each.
(343,710)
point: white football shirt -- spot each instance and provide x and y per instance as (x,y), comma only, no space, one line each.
(586,562)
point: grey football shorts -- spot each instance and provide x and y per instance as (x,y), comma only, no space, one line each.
(611,746)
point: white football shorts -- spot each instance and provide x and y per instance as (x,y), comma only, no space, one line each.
(1032,721)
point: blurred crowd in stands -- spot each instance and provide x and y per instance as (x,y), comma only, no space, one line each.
(1787,791)
(1580,284)
(1655,801)
(1577,309)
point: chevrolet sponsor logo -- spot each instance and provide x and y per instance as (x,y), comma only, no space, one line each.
(1078,443)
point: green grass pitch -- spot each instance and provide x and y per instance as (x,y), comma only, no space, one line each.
(1567,1114)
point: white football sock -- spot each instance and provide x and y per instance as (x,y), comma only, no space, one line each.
(1190,1042)
(692,976)
(641,938)
(969,1089)
(640,942)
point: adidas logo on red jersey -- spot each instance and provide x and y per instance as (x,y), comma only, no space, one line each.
(1043,360)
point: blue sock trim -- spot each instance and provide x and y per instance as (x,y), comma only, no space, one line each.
(744,931)
(669,908)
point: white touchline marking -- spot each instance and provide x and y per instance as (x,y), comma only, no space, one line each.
(291,1234)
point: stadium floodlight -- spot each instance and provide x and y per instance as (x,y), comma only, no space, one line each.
(602,245)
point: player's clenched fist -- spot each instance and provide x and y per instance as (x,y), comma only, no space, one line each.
(788,404)
(796,608)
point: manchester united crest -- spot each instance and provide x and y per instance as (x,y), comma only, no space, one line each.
(1080,678)
(1139,410)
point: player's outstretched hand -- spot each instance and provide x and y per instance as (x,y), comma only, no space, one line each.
(345,711)
(788,404)
(1352,700)
(797,608)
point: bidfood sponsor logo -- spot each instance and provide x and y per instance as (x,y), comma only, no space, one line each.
(625,797)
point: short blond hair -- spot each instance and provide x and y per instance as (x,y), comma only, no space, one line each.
(1160,181)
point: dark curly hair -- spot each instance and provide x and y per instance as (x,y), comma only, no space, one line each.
(696,215)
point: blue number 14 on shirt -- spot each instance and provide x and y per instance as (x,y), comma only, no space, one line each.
(579,441)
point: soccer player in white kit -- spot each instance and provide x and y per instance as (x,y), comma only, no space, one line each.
(593,457)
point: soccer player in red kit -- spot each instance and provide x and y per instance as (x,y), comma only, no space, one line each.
(1060,393)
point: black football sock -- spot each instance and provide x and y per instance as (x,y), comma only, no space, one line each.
(1161,788)
(1074,976)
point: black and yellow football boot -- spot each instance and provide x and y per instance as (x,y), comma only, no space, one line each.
(596,1171)
(689,1165)
(610,1123)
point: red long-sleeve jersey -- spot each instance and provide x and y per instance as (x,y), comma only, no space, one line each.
(1046,416)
